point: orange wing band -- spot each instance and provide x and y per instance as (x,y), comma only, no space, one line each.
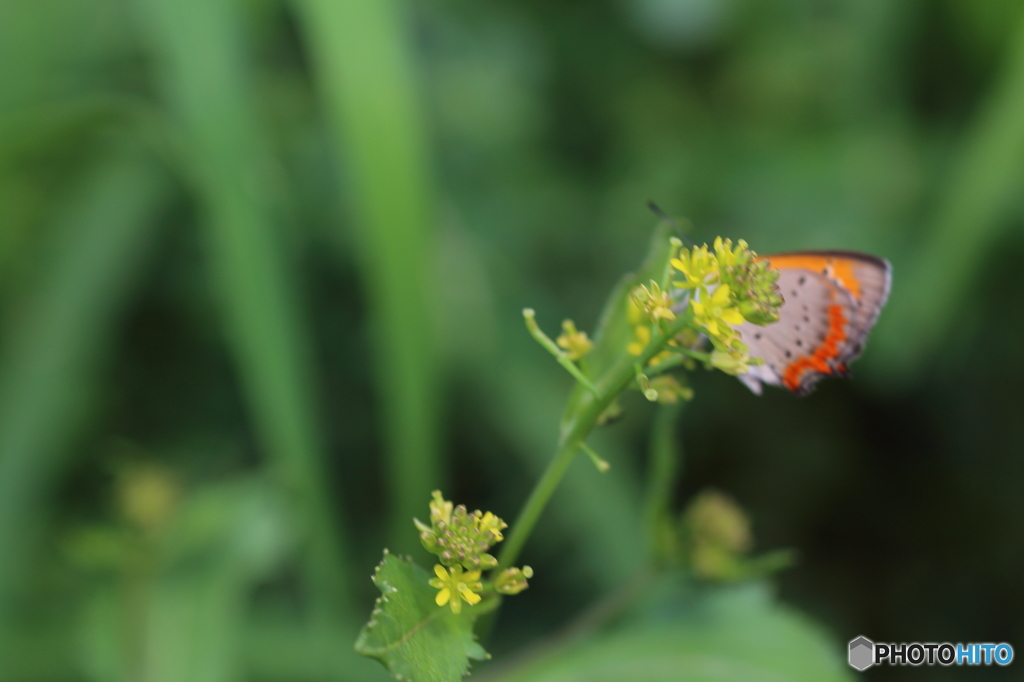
(839,269)
(828,350)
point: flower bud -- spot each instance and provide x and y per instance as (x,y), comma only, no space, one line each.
(428,540)
(513,580)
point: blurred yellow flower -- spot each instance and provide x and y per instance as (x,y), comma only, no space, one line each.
(574,342)
(642,335)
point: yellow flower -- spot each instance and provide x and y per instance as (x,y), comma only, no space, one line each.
(715,314)
(440,508)
(148,495)
(489,523)
(456,587)
(657,304)
(729,257)
(574,342)
(643,337)
(697,266)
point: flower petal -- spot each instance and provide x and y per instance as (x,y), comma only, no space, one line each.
(732,316)
(442,597)
(440,572)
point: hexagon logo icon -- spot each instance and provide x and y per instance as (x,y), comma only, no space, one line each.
(862,653)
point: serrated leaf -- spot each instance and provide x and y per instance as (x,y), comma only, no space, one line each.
(415,639)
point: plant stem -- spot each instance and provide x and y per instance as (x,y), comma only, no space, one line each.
(696,355)
(538,499)
(663,469)
(575,428)
(601,465)
(529,316)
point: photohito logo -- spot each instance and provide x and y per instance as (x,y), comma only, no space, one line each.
(864,653)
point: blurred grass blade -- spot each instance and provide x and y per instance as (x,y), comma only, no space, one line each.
(981,188)
(50,356)
(361,60)
(205,74)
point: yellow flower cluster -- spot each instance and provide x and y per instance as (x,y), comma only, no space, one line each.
(719,536)
(460,539)
(727,286)
(641,321)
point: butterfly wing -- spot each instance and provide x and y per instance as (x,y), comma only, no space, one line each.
(832,300)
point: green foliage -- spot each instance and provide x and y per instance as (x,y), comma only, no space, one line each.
(364,66)
(983,182)
(614,330)
(415,639)
(48,363)
(186,578)
(736,633)
(207,81)
(236,235)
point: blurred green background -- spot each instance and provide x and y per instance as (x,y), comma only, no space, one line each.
(261,272)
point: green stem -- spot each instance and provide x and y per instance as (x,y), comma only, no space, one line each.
(601,465)
(666,365)
(696,355)
(663,467)
(575,428)
(550,346)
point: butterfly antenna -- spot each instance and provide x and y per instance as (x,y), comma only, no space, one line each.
(656,210)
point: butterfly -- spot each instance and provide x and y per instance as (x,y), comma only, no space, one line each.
(832,300)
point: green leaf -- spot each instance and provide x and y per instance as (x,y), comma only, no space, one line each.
(735,633)
(614,332)
(415,639)
(366,67)
(206,72)
(50,356)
